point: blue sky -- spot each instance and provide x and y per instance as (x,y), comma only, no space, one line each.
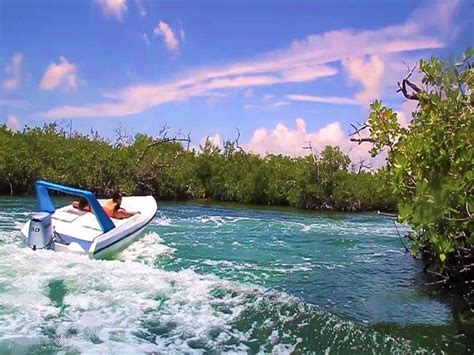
(283,72)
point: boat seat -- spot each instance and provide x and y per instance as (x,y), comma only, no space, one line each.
(65,216)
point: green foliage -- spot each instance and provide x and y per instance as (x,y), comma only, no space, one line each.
(147,165)
(431,162)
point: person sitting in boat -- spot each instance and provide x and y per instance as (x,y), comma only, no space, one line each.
(82,205)
(113,209)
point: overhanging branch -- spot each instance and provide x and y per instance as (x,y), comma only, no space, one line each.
(402,87)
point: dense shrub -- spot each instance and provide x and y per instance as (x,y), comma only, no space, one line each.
(164,168)
(431,163)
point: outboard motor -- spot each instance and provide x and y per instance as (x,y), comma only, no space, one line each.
(40,235)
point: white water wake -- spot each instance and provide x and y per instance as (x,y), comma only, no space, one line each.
(147,249)
(107,304)
(65,302)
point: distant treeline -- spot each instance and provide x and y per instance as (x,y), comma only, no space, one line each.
(165,168)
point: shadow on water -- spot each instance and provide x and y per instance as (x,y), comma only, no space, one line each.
(57,290)
(463,337)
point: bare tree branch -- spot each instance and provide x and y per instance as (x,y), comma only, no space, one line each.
(402,87)
(362,140)
(357,130)
(237,144)
(363,164)
(163,139)
(123,137)
(309,146)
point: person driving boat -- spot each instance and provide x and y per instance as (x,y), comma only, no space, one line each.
(114,210)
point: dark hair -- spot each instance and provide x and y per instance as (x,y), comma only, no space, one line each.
(116,195)
(83,203)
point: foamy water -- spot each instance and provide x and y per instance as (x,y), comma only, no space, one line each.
(148,250)
(70,302)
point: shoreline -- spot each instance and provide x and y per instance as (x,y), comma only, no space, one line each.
(240,205)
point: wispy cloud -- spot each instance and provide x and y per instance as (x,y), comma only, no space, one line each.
(248,93)
(62,75)
(267,98)
(13,103)
(146,39)
(164,30)
(324,99)
(13,70)
(214,97)
(113,8)
(267,102)
(140,8)
(138,98)
(305,60)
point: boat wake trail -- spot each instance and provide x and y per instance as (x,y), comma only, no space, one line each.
(56,301)
(149,250)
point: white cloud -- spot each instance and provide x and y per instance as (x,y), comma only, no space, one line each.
(404,115)
(370,73)
(169,37)
(324,99)
(13,70)
(288,141)
(305,60)
(62,75)
(13,123)
(146,39)
(283,140)
(114,8)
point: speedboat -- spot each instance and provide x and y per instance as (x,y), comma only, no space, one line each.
(94,233)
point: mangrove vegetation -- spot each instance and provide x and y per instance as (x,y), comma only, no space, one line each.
(167,169)
(431,166)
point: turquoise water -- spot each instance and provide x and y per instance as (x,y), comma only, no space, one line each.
(214,279)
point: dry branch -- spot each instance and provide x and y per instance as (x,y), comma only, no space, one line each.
(362,140)
(237,144)
(402,87)
(163,140)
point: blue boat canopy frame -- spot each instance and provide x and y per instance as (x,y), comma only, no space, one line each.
(45,204)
